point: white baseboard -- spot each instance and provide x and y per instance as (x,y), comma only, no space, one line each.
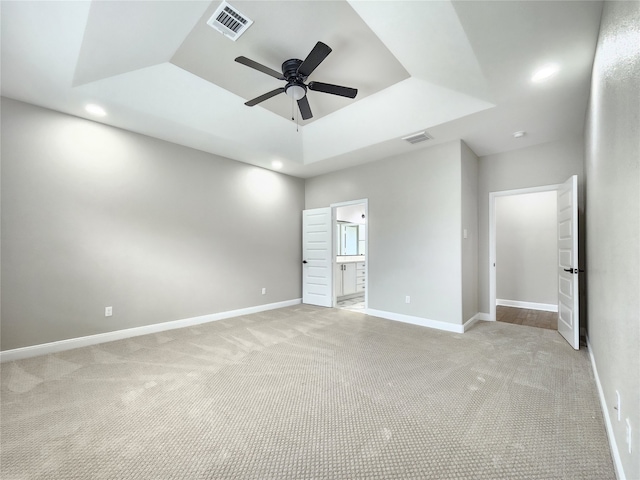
(62,345)
(478,316)
(545,307)
(615,453)
(423,322)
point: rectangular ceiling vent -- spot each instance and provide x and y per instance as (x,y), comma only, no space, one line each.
(417,137)
(229,21)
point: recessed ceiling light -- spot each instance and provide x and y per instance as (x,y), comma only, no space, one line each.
(545,73)
(519,134)
(276,164)
(94,109)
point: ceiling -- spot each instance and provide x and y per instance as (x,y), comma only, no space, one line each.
(455,69)
(352,213)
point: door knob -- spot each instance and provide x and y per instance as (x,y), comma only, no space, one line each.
(573,270)
(304,261)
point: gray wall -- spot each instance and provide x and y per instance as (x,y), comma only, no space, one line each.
(544,164)
(527,248)
(613,219)
(414,227)
(470,224)
(94,216)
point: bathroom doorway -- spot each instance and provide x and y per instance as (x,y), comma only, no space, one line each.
(350,249)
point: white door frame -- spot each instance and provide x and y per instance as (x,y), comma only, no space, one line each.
(334,206)
(492,236)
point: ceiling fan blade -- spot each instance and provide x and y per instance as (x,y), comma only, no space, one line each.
(261,68)
(305,109)
(333,89)
(264,97)
(315,58)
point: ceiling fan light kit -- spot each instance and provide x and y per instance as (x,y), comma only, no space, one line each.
(295,91)
(295,72)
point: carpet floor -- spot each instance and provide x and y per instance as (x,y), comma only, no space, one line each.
(307,393)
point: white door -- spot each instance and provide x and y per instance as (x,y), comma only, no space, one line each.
(568,296)
(316,257)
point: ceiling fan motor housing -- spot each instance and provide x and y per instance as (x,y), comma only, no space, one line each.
(290,69)
(294,79)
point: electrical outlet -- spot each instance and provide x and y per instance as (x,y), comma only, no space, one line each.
(407,299)
(617,405)
(264,291)
(108,311)
(629,434)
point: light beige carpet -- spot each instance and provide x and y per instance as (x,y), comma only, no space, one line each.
(307,393)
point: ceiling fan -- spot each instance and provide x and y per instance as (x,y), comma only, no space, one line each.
(295,73)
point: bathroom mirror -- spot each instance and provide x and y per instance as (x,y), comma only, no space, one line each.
(350,239)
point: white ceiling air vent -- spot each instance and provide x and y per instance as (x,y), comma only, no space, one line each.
(229,21)
(418,137)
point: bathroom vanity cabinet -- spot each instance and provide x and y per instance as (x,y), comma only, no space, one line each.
(349,278)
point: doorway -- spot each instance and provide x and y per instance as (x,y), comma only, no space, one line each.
(567,257)
(350,248)
(524,256)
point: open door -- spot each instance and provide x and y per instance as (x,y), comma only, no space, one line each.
(316,257)
(568,278)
